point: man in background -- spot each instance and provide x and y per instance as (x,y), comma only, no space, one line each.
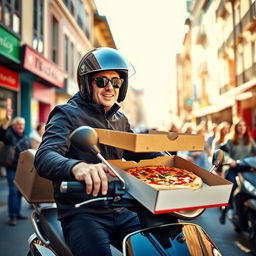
(12,133)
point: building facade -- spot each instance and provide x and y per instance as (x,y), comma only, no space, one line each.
(41,44)
(222,54)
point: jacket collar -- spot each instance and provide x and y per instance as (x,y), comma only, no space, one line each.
(88,102)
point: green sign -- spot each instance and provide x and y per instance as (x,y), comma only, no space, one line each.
(9,45)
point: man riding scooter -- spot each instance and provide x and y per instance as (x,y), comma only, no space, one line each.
(102,80)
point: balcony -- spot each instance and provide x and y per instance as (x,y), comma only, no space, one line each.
(225,88)
(230,40)
(222,50)
(238,32)
(250,73)
(248,22)
(221,10)
(201,36)
(240,79)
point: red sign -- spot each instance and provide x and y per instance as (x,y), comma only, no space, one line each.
(9,78)
(43,93)
(42,67)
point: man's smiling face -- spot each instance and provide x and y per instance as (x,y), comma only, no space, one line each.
(108,95)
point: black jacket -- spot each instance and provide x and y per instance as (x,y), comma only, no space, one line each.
(56,156)
(19,141)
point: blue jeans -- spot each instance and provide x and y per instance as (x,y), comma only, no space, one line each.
(14,197)
(92,234)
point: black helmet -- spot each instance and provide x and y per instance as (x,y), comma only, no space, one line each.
(102,59)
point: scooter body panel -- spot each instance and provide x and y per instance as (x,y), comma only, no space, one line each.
(170,239)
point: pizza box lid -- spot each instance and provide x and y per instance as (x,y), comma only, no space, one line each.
(215,191)
(161,141)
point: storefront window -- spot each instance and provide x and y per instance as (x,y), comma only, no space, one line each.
(7,97)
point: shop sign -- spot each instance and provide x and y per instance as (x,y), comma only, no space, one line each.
(9,78)
(42,67)
(43,94)
(9,45)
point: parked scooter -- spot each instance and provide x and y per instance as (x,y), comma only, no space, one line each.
(244,199)
(161,234)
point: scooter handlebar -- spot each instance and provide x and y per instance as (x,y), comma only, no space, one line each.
(114,187)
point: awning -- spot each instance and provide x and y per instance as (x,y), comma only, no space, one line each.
(227,99)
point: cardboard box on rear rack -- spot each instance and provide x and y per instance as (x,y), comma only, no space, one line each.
(215,191)
(34,188)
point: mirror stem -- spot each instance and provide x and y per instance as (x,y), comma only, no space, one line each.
(213,167)
(111,168)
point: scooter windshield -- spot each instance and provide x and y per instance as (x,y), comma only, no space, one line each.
(171,239)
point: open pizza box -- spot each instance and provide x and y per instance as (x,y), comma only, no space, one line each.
(34,188)
(215,191)
(153,142)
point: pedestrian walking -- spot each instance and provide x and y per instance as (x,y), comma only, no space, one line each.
(36,135)
(12,133)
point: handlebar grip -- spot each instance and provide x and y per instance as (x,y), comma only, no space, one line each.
(114,187)
(72,186)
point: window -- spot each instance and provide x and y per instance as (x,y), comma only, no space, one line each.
(38,25)
(87,24)
(70,5)
(80,13)
(55,39)
(254,52)
(79,57)
(83,18)
(10,15)
(66,42)
(72,73)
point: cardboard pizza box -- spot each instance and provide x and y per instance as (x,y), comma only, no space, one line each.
(34,188)
(160,141)
(215,191)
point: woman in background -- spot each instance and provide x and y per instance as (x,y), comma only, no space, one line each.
(36,135)
(239,146)
(223,130)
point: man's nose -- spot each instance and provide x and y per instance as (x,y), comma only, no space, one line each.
(109,85)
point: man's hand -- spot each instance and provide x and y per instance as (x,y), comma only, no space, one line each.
(94,176)
(8,118)
(233,163)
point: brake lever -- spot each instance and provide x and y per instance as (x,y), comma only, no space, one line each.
(93,201)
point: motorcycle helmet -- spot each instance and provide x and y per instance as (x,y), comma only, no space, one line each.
(103,59)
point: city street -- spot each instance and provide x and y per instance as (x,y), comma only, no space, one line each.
(13,240)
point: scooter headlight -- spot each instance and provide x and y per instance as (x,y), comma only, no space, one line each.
(249,187)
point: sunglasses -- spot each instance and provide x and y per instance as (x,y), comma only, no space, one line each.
(102,82)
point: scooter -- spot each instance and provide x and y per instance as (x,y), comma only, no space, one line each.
(161,234)
(244,200)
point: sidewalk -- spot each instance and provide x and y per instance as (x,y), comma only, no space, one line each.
(3,195)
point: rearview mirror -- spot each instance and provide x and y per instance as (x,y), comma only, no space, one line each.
(217,158)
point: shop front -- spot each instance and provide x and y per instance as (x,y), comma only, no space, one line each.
(239,103)
(38,82)
(9,72)
(9,87)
